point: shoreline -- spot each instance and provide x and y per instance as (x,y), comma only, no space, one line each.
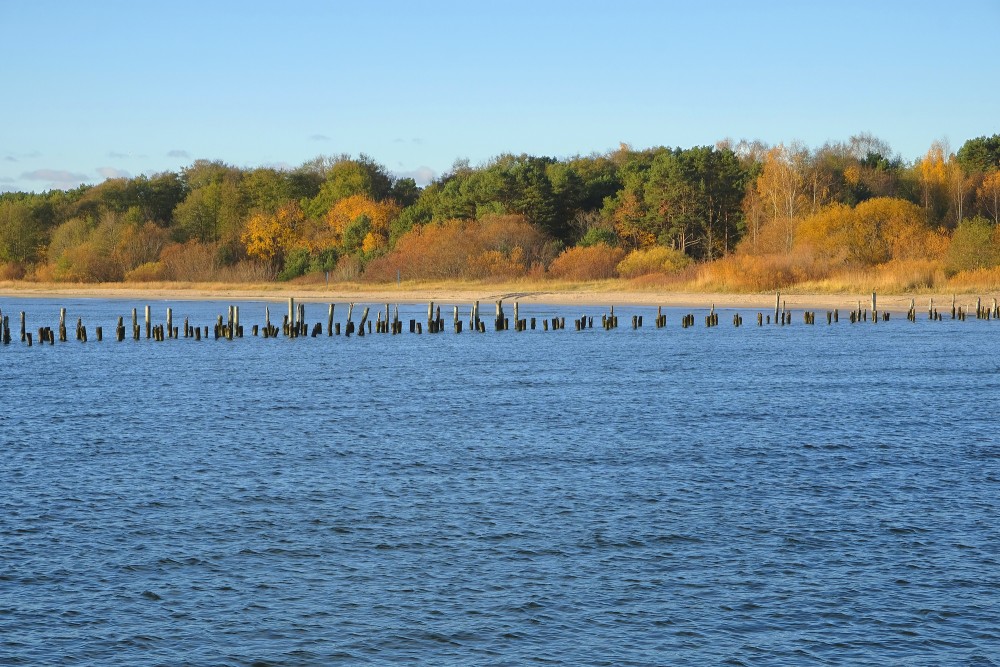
(561,295)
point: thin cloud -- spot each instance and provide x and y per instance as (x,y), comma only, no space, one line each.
(11,157)
(115,155)
(179,153)
(57,179)
(111,172)
(422,175)
(319,137)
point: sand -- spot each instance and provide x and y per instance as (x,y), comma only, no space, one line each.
(584,295)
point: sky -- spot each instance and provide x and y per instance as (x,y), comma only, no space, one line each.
(111,88)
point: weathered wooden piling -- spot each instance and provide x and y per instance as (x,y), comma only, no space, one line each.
(364,318)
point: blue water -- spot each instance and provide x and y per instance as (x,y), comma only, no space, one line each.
(757,496)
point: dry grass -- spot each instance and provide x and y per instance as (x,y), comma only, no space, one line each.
(734,275)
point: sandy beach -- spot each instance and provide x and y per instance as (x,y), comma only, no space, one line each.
(584,295)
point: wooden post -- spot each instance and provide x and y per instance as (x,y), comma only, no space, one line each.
(329,321)
(364,318)
(23,330)
(291,312)
(777,305)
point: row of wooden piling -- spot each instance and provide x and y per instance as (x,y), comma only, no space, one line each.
(387,321)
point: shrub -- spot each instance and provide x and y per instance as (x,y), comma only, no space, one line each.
(974,245)
(296,264)
(247,271)
(192,261)
(759,273)
(596,262)
(12,271)
(658,259)
(146,273)
(495,247)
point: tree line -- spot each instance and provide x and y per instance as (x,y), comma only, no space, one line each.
(623,213)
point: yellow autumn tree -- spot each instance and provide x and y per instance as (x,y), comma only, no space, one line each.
(359,222)
(270,236)
(988,195)
(875,232)
(781,187)
(933,174)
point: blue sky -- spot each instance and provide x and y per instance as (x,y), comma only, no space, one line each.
(99,89)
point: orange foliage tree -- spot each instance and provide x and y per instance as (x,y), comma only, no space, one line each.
(270,236)
(358,222)
(496,246)
(875,232)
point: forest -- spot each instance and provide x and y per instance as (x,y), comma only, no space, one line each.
(737,216)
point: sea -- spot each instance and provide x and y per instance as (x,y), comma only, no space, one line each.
(776,495)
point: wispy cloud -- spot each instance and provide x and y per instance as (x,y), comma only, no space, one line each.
(115,155)
(415,140)
(111,172)
(57,179)
(319,137)
(179,153)
(17,157)
(422,175)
